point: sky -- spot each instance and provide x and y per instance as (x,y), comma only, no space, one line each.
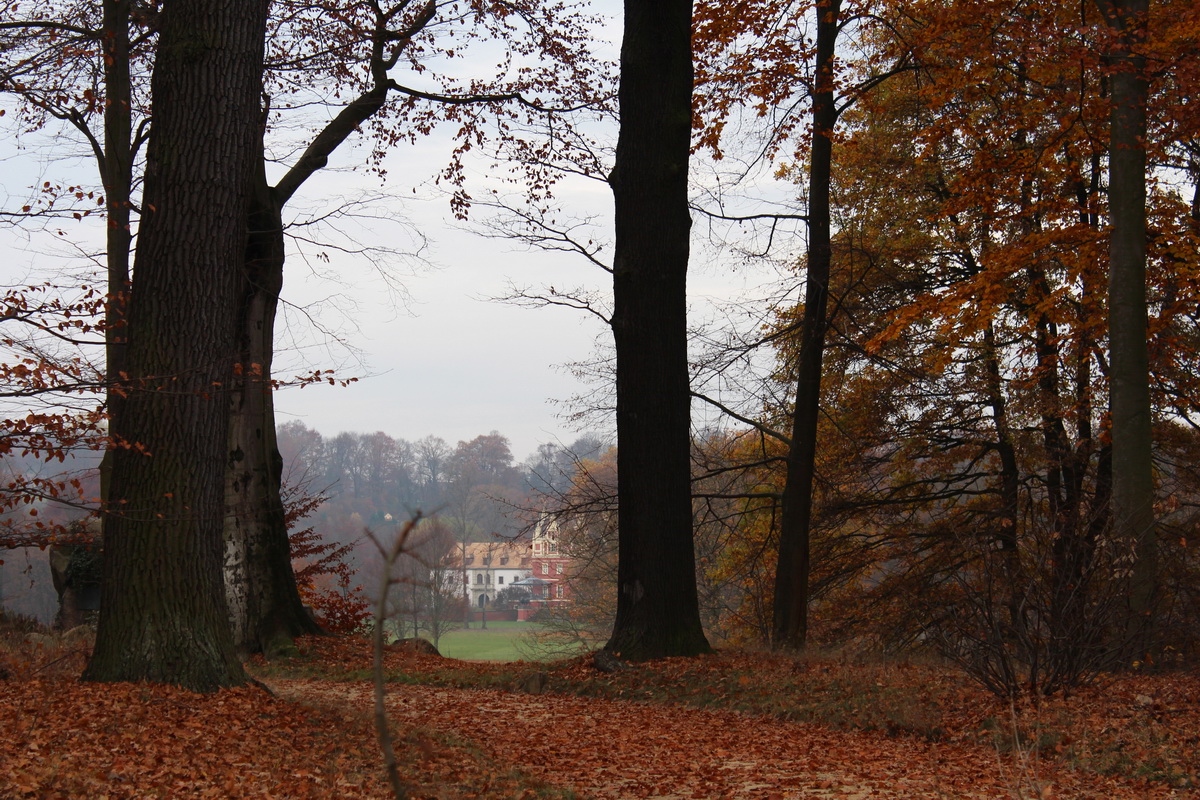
(432,351)
(438,355)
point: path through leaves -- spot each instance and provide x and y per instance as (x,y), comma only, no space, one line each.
(623,749)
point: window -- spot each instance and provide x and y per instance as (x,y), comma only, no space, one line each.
(503,559)
(501,579)
(478,578)
(558,591)
(558,568)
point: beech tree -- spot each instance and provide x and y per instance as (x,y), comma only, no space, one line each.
(769,49)
(657,607)
(163,617)
(1129,371)
(790,627)
(68,64)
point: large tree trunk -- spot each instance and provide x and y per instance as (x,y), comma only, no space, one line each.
(790,628)
(260,587)
(163,616)
(657,607)
(1129,392)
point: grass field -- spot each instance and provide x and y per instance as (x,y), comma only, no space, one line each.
(500,641)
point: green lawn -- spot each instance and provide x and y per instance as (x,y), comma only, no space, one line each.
(500,641)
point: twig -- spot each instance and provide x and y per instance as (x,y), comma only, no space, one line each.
(381,721)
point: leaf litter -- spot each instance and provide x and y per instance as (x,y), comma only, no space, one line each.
(636,734)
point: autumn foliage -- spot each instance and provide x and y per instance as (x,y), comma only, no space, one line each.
(51,410)
(324,575)
(963,453)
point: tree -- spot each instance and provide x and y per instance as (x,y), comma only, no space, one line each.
(265,606)
(163,617)
(763,55)
(377,38)
(657,607)
(790,626)
(49,68)
(430,597)
(1129,394)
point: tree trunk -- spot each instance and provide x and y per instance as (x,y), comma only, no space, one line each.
(1129,392)
(265,608)
(163,616)
(790,624)
(1015,588)
(657,607)
(116,171)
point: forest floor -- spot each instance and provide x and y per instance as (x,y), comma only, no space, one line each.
(731,725)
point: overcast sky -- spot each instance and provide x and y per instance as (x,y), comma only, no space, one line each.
(432,352)
(438,354)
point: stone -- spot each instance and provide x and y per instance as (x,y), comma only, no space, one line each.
(416,645)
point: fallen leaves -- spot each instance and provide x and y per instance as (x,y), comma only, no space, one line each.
(733,725)
(66,739)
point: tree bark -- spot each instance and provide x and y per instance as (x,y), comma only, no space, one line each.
(1007,517)
(657,606)
(790,618)
(116,172)
(1129,391)
(163,615)
(265,608)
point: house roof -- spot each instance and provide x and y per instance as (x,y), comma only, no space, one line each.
(497,555)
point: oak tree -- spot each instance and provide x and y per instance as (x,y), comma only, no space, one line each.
(163,617)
